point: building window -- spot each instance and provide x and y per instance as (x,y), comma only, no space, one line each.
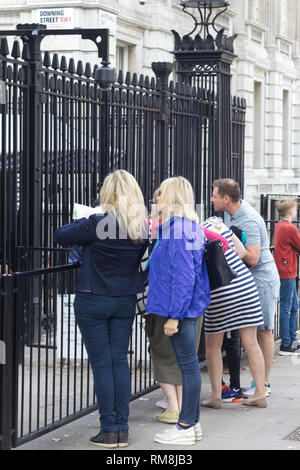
(120,58)
(125,57)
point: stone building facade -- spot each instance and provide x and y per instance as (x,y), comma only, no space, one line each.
(266,71)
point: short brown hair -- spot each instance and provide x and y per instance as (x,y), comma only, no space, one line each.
(284,205)
(228,187)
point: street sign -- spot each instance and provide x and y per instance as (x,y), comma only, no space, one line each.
(55,18)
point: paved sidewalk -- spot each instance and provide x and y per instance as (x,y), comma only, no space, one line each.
(234,427)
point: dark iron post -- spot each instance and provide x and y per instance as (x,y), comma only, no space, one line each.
(8,364)
(34,133)
(204,59)
(162,72)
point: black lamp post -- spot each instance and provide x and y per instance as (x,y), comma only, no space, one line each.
(205,44)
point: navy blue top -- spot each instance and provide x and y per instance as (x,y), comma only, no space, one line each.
(110,266)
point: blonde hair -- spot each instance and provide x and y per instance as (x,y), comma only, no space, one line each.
(284,205)
(122,197)
(179,196)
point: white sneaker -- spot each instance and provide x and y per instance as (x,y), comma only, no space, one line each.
(251,391)
(183,437)
(198,432)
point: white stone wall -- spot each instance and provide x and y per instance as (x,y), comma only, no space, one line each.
(266,71)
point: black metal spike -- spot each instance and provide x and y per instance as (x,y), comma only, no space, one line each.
(128,79)
(188,43)
(95,70)
(120,77)
(152,83)
(171,86)
(134,80)
(199,43)
(219,39)
(15,53)
(79,70)
(47,61)
(26,52)
(88,70)
(209,42)
(141,81)
(55,62)
(178,42)
(4,47)
(71,67)
(147,82)
(63,63)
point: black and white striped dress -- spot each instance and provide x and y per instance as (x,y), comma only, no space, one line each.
(236,305)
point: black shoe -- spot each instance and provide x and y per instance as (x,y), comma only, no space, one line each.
(123,438)
(288,351)
(105,439)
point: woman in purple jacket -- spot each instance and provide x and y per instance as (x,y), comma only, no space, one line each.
(179,291)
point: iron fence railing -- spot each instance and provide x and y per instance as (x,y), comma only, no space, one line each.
(48,379)
(61,134)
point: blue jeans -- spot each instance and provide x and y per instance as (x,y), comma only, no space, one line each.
(289,306)
(105,324)
(184,346)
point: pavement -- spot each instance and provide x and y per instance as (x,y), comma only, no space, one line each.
(234,427)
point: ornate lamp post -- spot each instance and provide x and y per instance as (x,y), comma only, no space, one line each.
(204,57)
(205,45)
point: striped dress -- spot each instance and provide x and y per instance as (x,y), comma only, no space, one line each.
(236,305)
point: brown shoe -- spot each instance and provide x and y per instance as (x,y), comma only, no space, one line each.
(259,402)
(122,438)
(215,403)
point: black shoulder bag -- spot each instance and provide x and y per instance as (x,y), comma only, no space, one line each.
(220,273)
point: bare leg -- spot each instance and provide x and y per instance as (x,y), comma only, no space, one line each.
(179,396)
(266,342)
(171,396)
(255,359)
(214,363)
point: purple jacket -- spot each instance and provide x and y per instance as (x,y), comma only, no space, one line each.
(178,279)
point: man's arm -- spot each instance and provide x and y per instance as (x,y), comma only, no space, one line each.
(252,255)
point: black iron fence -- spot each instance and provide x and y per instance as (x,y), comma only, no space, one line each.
(60,136)
(47,381)
(269,213)
(271,217)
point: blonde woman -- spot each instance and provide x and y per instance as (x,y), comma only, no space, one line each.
(113,246)
(179,292)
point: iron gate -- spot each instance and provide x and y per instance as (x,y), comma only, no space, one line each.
(60,136)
